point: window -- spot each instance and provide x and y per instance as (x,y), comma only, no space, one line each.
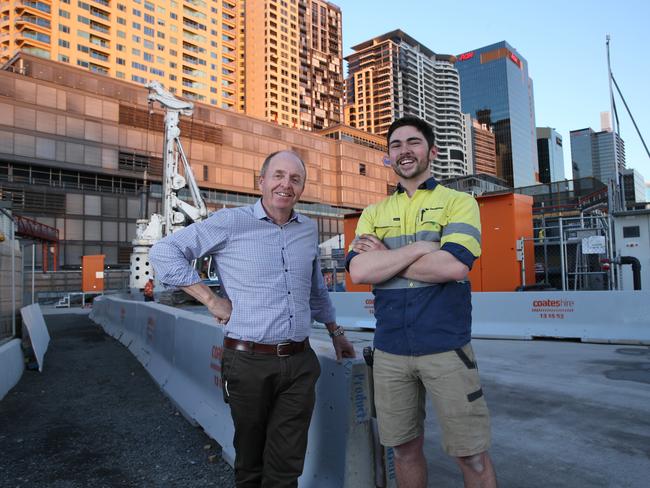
(121,20)
(148,57)
(137,13)
(631,232)
(120,47)
(362,169)
(64,13)
(63,58)
(137,26)
(63,43)
(120,61)
(64,28)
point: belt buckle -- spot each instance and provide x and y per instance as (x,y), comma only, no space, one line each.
(277,349)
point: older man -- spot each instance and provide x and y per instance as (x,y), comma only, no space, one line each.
(267,258)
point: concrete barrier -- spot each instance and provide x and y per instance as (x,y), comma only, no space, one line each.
(621,317)
(183,351)
(12,365)
(38,335)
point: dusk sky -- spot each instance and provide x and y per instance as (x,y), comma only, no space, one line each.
(563,42)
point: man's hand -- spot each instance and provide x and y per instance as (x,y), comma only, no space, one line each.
(368,242)
(220,308)
(343,348)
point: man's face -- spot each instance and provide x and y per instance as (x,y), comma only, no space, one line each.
(283,183)
(408,152)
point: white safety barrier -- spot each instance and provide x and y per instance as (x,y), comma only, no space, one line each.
(592,316)
(182,351)
(38,335)
(12,365)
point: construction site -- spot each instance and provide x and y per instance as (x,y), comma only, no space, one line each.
(101,385)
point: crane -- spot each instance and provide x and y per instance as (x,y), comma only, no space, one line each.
(176,212)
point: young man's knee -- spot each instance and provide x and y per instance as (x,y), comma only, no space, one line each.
(410,450)
(476,462)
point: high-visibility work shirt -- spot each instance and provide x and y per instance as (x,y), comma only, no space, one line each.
(413,317)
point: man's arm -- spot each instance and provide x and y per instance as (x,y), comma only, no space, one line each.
(437,267)
(374,263)
(171,258)
(220,308)
(323,311)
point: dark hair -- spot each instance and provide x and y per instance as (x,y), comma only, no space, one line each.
(418,123)
(266,162)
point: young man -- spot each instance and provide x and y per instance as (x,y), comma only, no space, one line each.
(416,247)
(267,257)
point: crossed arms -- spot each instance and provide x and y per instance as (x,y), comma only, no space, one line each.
(420,261)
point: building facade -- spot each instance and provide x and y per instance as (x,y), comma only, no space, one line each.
(497,91)
(483,147)
(393,75)
(550,155)
(633,187)
(597,154)
(74,147)
(190,46)
(279,60)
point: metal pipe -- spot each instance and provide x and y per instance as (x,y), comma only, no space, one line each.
(562,270)
(33,269)
(636,269)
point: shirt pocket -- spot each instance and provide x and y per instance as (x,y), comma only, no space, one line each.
(430,224)
(389,231)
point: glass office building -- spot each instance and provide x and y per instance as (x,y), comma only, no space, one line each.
(593,154)
(496,90)
(550,155)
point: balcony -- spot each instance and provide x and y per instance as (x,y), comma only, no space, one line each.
(99,56)
(34,36)
(193,25)
(28,19)
(43,7)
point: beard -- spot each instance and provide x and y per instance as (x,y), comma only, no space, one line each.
(413,172)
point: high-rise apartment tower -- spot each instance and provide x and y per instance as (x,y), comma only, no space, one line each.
(393,75)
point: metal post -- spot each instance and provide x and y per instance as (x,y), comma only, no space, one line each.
(545,245)
(33,269)
(615,127)
(13,279)
(562,270)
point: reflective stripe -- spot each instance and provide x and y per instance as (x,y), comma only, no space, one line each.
(398,282)
(461,228)
(428,235)
(396,242)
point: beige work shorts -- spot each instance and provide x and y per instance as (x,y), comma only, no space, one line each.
(452,380)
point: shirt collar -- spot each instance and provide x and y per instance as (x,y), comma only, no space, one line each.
(429,184)
(260,214)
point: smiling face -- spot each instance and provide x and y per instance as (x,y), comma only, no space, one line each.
(282,184)
(409,154)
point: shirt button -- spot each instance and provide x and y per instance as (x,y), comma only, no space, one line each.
(410,284)
(290,316)
(410,241)
(286,270)
(289,293)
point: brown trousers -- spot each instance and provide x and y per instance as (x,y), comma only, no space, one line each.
(271,402)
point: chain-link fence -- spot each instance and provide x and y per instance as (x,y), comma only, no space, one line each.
(10,283)
(573,254)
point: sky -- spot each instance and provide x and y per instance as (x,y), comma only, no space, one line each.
(563,42)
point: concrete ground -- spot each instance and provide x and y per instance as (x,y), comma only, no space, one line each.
(563,415)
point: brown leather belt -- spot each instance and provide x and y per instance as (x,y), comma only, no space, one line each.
(283,349)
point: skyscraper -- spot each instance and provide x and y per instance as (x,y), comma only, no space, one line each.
(594,154)
(483,148)
(550,155)
(497,91)
(280,60)
(393,75)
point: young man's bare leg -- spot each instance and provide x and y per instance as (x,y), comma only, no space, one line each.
(410,464)
(478,471)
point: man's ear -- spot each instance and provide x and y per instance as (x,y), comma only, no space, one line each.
(433,152)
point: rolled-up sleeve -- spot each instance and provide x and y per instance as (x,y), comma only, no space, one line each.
(172,256)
